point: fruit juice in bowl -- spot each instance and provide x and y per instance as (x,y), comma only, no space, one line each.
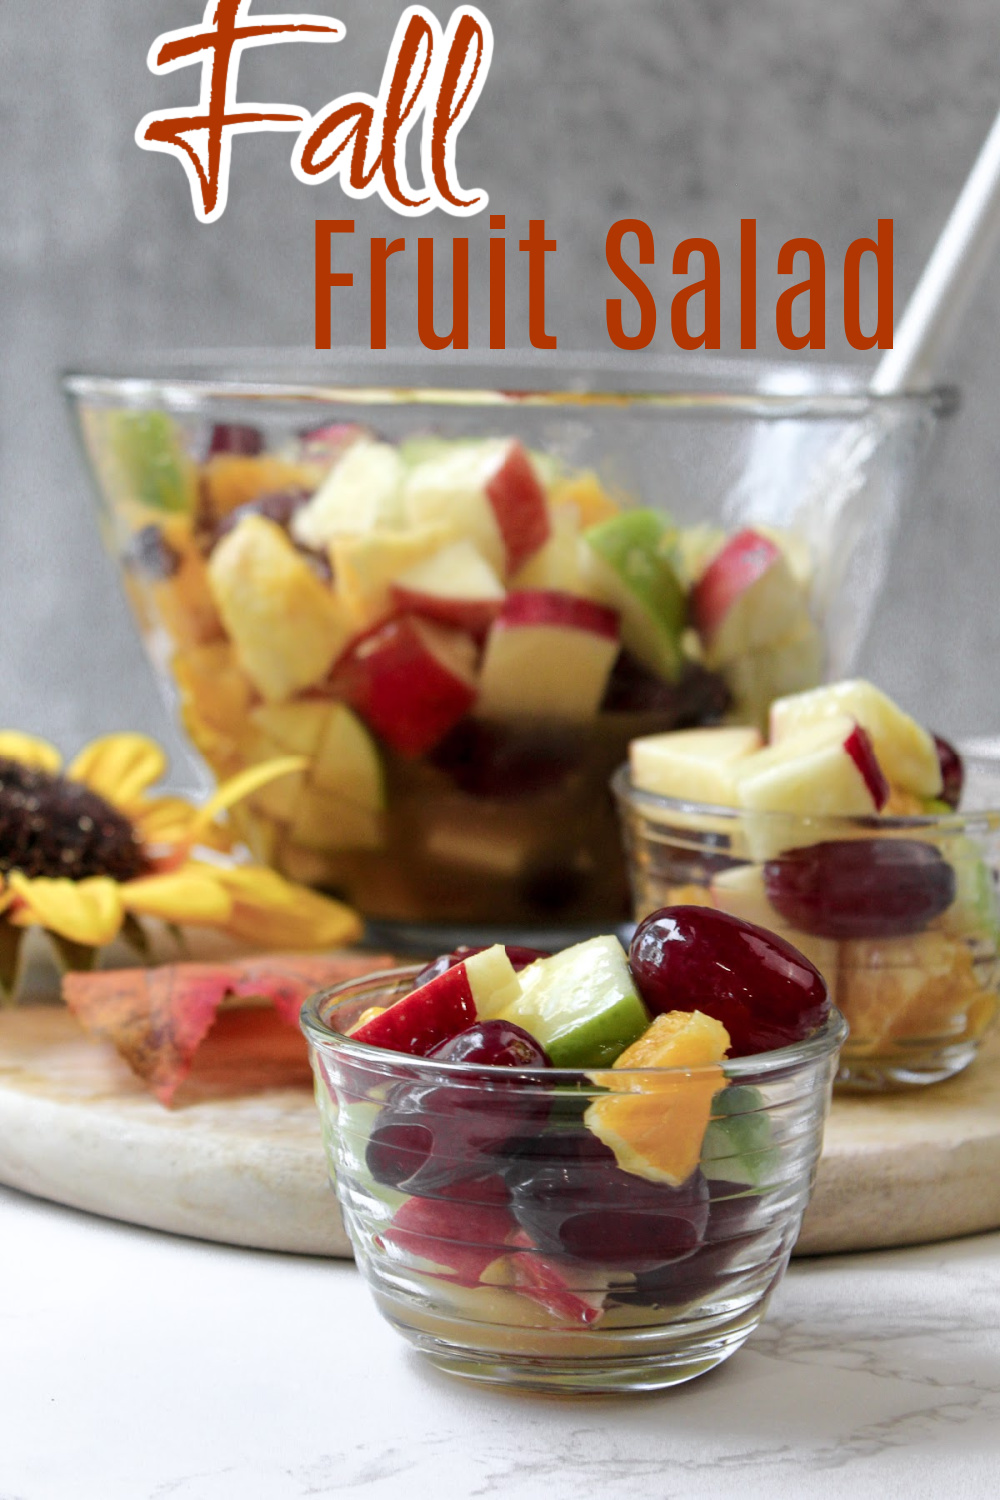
(459,601)
(868,843)
(563,1171)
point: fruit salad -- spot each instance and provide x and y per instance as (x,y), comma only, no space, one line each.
(845,835)
(579,1155)
(460,637)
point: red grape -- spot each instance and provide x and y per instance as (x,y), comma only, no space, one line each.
(765,993)
(861,888)
(236,437)
(429,1135)
(952,772)
(573,1199)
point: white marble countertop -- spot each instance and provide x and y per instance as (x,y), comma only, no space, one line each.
(134,1366)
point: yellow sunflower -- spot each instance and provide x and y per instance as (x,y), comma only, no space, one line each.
(86,852)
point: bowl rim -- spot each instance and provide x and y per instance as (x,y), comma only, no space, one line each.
(985,751)
(823,1043)
(181,380)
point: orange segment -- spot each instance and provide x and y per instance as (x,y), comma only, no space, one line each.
(655,1123)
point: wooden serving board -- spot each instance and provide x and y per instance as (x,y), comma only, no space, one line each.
(239,1159)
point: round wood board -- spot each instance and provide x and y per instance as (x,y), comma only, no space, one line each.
(240,1159)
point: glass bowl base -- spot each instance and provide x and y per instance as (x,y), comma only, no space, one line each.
(628,1359)
(908,1066)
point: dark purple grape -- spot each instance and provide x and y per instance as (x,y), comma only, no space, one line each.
(279,508)
(700,697)
(431,1135)
(861,888)
(496,760)
(573,1200)
(520,958)
(736,1227)
(496,1043)
(765,993)
(236,437)
(151,555)
(952,772)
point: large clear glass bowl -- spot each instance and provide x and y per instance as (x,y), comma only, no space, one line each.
(503,825)
(498,1236)
(901,915)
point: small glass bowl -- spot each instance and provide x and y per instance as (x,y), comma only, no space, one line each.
(463,1187)
(906,938)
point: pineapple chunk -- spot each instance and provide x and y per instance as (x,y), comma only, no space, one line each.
(286,626)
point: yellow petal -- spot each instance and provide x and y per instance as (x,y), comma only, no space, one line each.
(85,911)
(171,821)
(120,766)
(276,913)
(191,894)
(243,785)
(29,750)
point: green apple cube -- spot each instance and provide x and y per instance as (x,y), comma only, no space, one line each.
(581,1004)
(628,567)
(975,912)
(739,1142)
(152,464)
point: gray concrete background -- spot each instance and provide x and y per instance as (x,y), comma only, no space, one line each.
(816,119)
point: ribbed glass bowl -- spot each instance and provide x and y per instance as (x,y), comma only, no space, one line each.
(913,965)
(505,825)
(498,1237)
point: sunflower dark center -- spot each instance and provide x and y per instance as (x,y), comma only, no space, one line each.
(52,826)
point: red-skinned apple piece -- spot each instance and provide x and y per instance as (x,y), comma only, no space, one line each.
(518,503)
(548,655)
(480,986)
(411,680)
(423,1019)
(463,1237)
(568,1292)
(455,586)
(746,598)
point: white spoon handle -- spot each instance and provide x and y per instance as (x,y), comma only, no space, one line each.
(951,276)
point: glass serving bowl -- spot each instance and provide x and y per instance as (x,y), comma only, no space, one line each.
(500,1238)
(899,914)
(440,810)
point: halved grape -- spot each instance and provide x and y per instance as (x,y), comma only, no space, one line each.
(861,888)
(764,991)
(572,1198)
(431,1135)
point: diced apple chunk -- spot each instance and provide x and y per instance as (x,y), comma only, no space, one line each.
(347,761)
(548,655)
(488,494)
(455,587)
(697,765)
(366,566)
(906,752)
(790,665)
(827,770)
(325,822)
(746,598)
(410,680)
(285,625)
(361,494)
(626,565)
